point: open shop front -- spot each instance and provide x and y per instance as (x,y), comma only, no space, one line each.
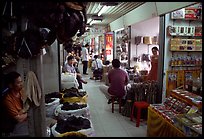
(180,114)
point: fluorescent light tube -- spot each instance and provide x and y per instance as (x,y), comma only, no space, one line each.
(119,29)
(89,20)
(103,9)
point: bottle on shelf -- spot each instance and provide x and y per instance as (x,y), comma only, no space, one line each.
(176,61)
(179,61)
(189,82)
(196,86)
(184,60)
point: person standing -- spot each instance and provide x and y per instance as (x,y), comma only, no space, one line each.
(154,64)
(85,58)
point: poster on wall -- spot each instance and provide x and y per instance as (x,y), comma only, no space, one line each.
(109,46)
(92,43)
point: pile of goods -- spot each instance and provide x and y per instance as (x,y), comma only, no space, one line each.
(70,111)
(144,91)
(141,91)
(73,95)
(72,123)
(66,109)
(68,106)
(190,124)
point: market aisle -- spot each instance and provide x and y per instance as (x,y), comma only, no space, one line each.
(106,123)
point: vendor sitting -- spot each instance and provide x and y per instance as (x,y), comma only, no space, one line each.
(69,67)
(13,104)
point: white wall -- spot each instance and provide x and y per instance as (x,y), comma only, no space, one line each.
(165,7)
(146,28)
(50,69)
(146,11)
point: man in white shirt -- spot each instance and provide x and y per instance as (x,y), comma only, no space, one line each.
(85,58)
(97,67)
(97,63)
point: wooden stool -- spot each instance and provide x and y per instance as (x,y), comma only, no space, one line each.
(113,102)
(139,105)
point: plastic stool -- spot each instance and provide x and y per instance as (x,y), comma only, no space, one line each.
(139,105)
(113,102)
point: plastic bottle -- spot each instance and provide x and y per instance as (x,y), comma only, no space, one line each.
(190,83)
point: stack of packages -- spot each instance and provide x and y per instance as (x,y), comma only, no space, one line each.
(71,113)
(142,91)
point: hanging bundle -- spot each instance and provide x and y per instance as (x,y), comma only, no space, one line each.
(32,89)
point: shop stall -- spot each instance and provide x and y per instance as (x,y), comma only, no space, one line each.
(180,113)
(184,44)
(121,46)
(179,116)
(144,36)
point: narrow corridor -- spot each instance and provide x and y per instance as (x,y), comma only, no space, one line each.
(106,123)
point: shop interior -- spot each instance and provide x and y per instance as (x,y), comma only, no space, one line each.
(168,106)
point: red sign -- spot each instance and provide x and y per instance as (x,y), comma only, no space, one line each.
(192,13)
(109,41)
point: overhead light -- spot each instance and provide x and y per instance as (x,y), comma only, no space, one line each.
(89,20)
(95,21)
(103,9)
(119,29)
(97,9)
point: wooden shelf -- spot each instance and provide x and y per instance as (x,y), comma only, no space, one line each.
(185,51)
(184,36)
(187,19)
(186,66)
(186,100)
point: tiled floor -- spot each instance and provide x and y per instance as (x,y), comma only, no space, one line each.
(106,123)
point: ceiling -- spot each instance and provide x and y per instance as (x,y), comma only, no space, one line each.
(112,13)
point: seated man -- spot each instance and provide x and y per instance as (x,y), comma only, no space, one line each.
(118,79)
(97,67)
(69,67)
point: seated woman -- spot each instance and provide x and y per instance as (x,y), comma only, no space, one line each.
(69,67)
(13,103)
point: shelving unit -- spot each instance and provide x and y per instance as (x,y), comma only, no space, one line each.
(185,46)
